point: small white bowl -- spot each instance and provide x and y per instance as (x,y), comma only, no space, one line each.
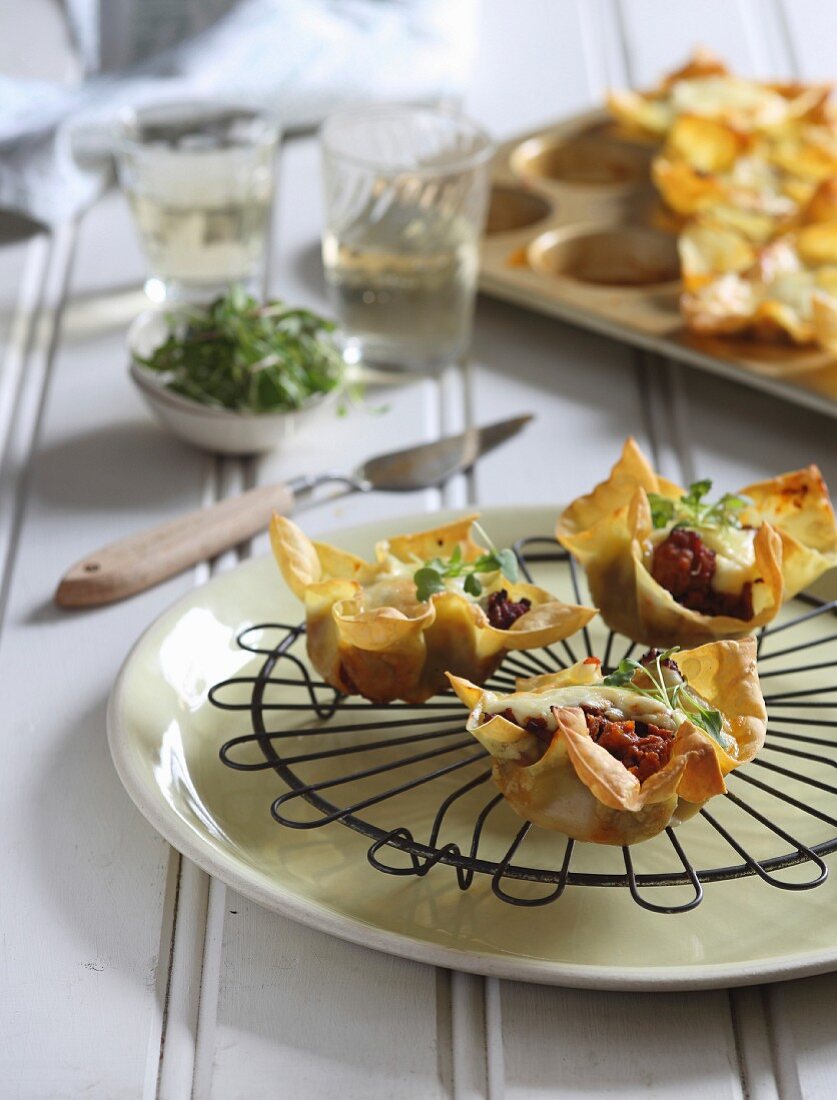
(224,431)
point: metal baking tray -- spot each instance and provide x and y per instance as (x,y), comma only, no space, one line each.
(577,230)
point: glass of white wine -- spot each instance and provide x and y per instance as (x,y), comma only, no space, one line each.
(406,192)
(200,178)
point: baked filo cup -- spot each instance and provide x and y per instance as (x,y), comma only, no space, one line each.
(665,567)
(617,759)
(370,632)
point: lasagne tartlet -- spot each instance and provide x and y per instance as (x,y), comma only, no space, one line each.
(616,759)
(431,602)
(667,567)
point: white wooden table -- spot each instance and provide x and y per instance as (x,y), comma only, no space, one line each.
(126,972)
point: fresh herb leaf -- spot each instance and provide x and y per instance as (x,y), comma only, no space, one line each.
(429,581)
(697,491)
(672,696)
(623,673)
(691,510)
(472,585)
(507,561)
(431,578)
(707,718)
(662,510)
(238,354)
(488,563)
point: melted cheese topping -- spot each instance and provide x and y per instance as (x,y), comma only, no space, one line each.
(735,557)
(757,186)
(395,586)
(392,590)
(728,296)
(619,704)
(738,101)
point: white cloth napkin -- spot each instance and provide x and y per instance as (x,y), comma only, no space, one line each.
(300,57)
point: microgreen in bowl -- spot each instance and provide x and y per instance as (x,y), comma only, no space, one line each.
(239,354)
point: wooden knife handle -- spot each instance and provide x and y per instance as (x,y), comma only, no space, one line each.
(143,560)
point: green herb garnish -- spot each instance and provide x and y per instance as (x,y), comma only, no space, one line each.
(691,510)
(672,696)
(431,578)
(238,354)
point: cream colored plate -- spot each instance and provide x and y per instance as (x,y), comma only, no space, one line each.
(165,736)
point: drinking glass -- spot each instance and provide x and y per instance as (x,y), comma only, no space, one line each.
(200,179)
(405,200)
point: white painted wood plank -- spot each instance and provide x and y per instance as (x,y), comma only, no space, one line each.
(180,1025)
(468,1035)
(528,67)
(743,437)
(24,270)
(812,32)
(496,1065)
(659,36)
(209,990)
(572,1043)
(802,1020)
(83,873)
(582,387)
(303,1014)
(19,253)
(192,985)
(754,1043)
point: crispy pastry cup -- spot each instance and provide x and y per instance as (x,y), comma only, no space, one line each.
(650,112)
(576,787)
(368,634)
(607,532)
(730,286)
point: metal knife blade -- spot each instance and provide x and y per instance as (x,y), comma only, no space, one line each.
(432,463)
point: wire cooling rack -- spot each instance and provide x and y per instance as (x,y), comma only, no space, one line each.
(409,778)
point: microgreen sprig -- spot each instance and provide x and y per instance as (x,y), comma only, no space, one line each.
(672,696)
(237,353)
(431,578)
(691,510)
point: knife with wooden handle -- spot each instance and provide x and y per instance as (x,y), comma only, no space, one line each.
(140,561)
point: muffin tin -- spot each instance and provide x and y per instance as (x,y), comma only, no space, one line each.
(576,230)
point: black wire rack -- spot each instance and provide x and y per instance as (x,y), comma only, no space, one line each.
(409,779)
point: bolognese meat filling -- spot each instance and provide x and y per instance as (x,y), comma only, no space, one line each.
(634,713)
(701,553)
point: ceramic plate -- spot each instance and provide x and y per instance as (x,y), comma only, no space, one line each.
(165,736)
